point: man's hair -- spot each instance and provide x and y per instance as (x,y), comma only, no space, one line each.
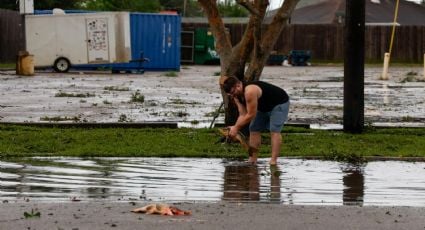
(229,83)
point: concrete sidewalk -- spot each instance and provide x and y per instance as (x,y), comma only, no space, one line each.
(106,215)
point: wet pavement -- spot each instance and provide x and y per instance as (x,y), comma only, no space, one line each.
(192,96)
(293,181)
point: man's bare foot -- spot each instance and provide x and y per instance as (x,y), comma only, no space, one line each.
(252,160)
(273,162)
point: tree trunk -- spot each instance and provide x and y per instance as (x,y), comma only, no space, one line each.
(255,46)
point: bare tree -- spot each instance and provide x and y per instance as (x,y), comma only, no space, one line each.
(255,45)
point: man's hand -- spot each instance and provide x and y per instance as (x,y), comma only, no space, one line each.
(236,100)
(233,131)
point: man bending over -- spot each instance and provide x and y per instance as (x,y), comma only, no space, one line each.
(265,107)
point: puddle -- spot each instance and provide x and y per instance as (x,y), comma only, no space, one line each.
(294,181)
(327,126)
(195,125)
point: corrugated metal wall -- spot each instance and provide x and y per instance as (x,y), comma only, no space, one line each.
(158,37)
(12,36)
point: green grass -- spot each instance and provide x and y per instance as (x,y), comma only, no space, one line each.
(60,118)
(22,141)
(137,97)
(171,74)
(7,65)
(116,88)
(83,95)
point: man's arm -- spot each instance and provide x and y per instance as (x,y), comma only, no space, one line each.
(241,107)
(252,93)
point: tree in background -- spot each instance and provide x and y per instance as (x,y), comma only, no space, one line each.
(123,5)
(191,8)
(50,4)
(231,9)
(9,4)
(186,8)
(43,4)
(255,46)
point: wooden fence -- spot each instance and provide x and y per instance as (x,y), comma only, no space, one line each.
(326,42)
(12,37)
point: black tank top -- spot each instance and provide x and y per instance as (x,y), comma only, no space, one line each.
(270,97)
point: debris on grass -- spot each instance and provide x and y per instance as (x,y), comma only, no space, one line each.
(137,97)
(32,214)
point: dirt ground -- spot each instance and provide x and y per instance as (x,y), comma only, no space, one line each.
(104,215)
(192,95)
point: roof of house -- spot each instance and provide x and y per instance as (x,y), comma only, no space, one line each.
(377,11)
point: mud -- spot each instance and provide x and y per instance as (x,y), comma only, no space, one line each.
(193,96)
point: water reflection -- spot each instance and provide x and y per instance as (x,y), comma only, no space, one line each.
(353,181)
(241,183)
(246,182)
(275,183)
(294,181)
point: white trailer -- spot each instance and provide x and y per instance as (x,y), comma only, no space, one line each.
(60,41)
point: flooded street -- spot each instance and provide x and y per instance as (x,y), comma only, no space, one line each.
(293,181)
(192,95)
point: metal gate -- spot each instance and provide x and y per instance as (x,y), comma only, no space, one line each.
(187,46)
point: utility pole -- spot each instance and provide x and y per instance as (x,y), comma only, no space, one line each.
(184,8)
(354,66)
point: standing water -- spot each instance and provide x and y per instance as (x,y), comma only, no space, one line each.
(293,181)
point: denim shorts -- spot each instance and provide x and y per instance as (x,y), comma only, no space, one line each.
(272,121)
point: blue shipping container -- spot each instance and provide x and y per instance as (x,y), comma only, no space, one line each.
(157,36)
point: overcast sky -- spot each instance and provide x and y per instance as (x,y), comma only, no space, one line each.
(276,3)
(273,3)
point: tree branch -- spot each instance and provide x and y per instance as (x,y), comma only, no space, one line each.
(258,51)
(223,44)
(249,6)
(280,20)
(270,37)
(242,51)
(249,46)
